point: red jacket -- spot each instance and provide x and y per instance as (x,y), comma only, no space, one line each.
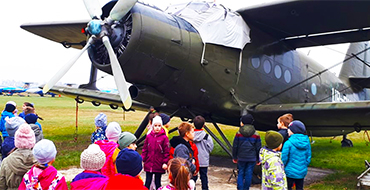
(155,152)
(120,181)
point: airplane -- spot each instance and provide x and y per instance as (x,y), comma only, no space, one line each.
(200,58)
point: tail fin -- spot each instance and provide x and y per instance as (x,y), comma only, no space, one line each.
(355,72)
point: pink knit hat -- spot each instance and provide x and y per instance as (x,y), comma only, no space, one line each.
(24,137)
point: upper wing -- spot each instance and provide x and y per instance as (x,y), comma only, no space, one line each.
(321,119)
(96,97)
(303,23)
(67,33)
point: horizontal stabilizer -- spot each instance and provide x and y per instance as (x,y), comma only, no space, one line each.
(359,83)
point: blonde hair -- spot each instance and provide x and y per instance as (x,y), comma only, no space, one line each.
(179,173)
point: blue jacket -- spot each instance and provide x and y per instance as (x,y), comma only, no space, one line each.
(296,156)
(7,146)
(246,149)
(2,122)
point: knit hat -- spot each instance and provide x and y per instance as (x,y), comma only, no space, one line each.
(165,118)
(125,139)
(273,139)
(44,151)
(113,131)
(10,106)
(247,130)
(38,132)
(129,162)
(31,118)
(297,127)
(12,124)
(92,158)
(101,120)
(157,119)
(247,119)
(24,137)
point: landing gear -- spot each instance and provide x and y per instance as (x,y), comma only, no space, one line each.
(346,142)
(92,81)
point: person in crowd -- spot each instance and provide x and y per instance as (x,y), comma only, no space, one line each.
(282,124)
(129,166)
(296,154)
(179,175)
(204,145)
(246,147)
(43,175)
(10,111)
(110,148)
(27,108)
(31,118)
(181,146)
(166,119)
(11,126)
(150,120)
(127,140)
(273,175)
(38,132)
(155,153)
(100,126)
(20,161)
(92,160)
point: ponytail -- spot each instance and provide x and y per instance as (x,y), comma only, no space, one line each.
(180,174)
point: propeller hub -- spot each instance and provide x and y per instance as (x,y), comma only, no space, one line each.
(94,27)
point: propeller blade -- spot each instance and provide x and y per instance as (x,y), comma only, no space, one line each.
(65,68)
(121,8)
(93,7)
(119,78)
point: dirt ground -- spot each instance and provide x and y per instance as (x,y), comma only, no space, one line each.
(220,175)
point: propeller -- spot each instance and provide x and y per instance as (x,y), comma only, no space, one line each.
(100,31)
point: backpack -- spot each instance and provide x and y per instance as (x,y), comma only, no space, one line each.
(34,184)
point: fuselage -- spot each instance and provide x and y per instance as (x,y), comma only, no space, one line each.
(164,53)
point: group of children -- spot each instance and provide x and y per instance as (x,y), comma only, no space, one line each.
(284,159)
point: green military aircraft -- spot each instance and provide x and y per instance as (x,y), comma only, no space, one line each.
(201,58)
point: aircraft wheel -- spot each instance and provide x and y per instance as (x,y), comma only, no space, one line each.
(347,143)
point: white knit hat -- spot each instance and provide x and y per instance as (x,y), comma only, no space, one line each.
(113,131)
(44,151)
(92,158)
(157,119)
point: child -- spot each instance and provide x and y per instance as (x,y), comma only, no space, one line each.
(110,148)
(9,111)
(129,166)
(296,154)
(246,147)
(166,122)
(181,146)
(282,125)
(273,175)
(14,166)
(155,153)
(127,140)
(31,118)
(92,160)
(43,175)
(204,145)
(151,115)
(27,108)
(179,175)
(100,126)
(11,126)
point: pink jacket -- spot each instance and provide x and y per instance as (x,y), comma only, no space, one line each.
(89,180)
(108,147)
(48,177)
(156,152)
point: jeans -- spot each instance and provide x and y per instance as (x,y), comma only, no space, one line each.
(245,172)
(203,177)
(157,179)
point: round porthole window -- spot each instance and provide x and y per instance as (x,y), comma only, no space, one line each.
(267,66)
(313,89)
(255,62)
(287,76)
(277,71)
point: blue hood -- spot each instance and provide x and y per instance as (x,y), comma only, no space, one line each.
(300,141)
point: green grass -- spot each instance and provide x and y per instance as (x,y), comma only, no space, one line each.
(59,125)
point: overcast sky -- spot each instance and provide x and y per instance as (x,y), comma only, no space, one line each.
(29,58)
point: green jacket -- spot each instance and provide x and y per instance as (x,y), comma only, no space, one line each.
(273,175)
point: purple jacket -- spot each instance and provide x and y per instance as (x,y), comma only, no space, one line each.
(156,152)
(89,180)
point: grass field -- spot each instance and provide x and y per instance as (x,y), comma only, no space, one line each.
(59,125)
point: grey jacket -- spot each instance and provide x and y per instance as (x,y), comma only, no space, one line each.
(204,144)
(182,151)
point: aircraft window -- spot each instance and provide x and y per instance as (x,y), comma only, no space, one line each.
(313,89)
(287,76)
(255,62)
(267,66)
(277,71)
